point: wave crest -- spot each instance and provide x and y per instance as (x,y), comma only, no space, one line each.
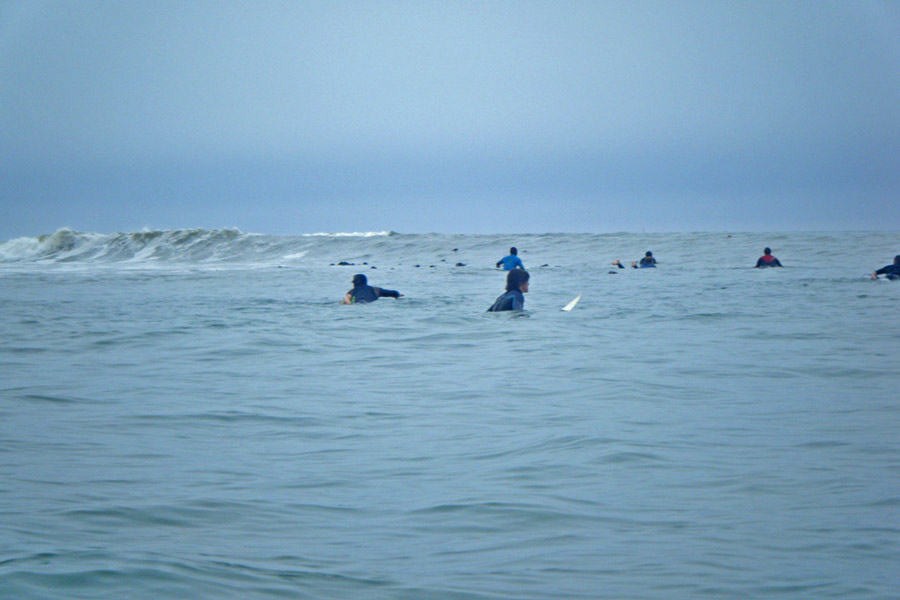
(177,246)
(67,245)
(355,234)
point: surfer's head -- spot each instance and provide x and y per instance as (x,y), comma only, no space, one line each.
(359,280)
(515,279)
(897,260)
(767,251)
(648,253)
(514,251)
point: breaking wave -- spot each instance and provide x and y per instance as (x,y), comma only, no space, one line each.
(180,245)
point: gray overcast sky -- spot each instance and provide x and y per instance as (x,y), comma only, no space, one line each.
(293,117)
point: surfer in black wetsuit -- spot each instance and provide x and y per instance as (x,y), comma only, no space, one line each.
(889,271)
(647,261)
(512,298)
(362,292)
(767,260)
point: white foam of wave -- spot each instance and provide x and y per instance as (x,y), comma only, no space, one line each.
(168,246)
(354,234)
(61,245)
(19,248)
(67,245)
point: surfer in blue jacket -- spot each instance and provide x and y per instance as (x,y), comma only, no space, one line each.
(890,271)
(512,261)
(767,260)
(362,292)
(513,298)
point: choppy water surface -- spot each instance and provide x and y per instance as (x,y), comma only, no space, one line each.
(192,414)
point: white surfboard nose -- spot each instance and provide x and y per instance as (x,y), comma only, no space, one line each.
(572,304)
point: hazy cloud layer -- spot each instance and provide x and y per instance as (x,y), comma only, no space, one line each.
(471,116)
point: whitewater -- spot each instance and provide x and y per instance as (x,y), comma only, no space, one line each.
(193,414)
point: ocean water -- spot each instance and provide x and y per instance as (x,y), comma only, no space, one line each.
(192,414)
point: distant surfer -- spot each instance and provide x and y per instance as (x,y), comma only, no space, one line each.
(767,260)
(362,292)
(647,261)
(511,261)
(889,271)
(513,298)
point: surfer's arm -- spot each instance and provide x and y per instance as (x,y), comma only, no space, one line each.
(390,293)
(348,299)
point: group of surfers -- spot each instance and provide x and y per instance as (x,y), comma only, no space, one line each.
(517,280)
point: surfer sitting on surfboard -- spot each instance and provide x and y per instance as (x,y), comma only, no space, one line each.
(512,298)
(362,292)
(767,260)
(890,271)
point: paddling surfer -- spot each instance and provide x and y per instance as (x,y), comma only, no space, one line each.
(647,261)
(511,261)
(362,292)
(891,271)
